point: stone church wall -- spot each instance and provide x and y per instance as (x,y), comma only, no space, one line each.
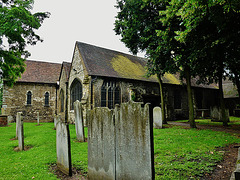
(15,100)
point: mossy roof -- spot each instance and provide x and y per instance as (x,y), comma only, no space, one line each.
(109,63)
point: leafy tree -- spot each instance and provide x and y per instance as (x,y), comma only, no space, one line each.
(137,22)
(17,29)
(215,48)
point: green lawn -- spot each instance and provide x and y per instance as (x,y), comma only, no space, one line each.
(179,153)
(233,121)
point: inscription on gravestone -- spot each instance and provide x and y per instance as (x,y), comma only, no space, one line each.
(79,121)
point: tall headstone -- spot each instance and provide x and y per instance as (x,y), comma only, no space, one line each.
(120,143)
(20,134)
(18,122)
(38,118)
(63,147)
(157,118)
(79,121)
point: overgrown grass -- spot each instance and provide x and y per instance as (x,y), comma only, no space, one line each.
(179,153)
(233,121)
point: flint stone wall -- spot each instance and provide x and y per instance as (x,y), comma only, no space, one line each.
(120,144)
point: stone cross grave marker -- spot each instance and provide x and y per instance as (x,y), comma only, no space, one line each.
(38,118)
(79,121)
(63,147)
(157,118)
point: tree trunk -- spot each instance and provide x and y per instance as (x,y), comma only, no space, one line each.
(222,104)
(190,98)
(237,83)
(162,99)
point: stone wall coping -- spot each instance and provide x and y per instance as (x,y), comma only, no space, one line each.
(236,173)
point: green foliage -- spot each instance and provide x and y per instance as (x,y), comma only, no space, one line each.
(17,29)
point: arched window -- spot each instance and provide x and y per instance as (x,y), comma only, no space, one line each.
(103,96)
(75,92)
(117,96)
(47,99)
(61,101)
(29,98)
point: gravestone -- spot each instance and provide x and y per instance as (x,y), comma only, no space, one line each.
(63,147)
(18,122)
(20,133)
(3,120)
(120,143)
(55,121)
(38,118)
(79,121)
(216,114)
(157,118)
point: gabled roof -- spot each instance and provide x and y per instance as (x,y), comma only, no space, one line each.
(40,72)
(66,66)
(109,63)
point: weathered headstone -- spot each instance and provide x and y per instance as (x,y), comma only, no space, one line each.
(120,143)
(216,114)
(18,122)
(38,118)
(101,144)
(63,147)
(79,121)
(20,134)
(157,117)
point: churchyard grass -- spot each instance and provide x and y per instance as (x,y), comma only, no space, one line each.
(233,121)
(179,153)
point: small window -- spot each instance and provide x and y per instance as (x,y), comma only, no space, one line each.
(47,99)
(61,101)
(29,98)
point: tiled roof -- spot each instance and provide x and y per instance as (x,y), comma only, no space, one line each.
(40,72)
(109,63)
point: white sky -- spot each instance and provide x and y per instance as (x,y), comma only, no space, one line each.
(89,21)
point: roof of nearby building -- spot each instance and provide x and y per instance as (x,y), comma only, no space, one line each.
(109,63)
(66,66)
(229,89)
(40,72)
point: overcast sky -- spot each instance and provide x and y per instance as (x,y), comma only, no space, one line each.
(89,21)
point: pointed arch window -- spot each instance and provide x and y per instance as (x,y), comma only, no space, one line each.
(110,97)
(46,99)
(29,98)
(117,95)
(75,92)
(61,101)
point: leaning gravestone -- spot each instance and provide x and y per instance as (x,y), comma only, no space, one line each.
(79,121)
(20,133)
(157,118)
(63,147)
